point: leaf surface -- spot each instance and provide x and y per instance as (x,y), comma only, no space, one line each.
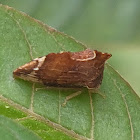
(87,116)
(9,130)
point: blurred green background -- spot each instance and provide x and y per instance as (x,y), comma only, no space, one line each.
(111,26)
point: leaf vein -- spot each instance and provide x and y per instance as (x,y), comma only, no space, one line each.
(128,112)
(92,116)
(127,109)
(24,34)
(45,120)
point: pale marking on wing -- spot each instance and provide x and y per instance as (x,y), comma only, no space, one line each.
(27,64)
(69,72)
(36,68)
(29,77)
(40,61)
(76,72)
(87,59)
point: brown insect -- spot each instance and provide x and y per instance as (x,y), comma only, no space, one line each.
(66,69)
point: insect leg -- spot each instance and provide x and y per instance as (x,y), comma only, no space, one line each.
(71,96)
(97,91)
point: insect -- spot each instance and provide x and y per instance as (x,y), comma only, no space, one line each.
(66,69)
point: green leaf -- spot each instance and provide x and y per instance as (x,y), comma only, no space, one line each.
(10,130)
(87,116)
(110,26)
(127,64)
(14,111)
(107,22)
